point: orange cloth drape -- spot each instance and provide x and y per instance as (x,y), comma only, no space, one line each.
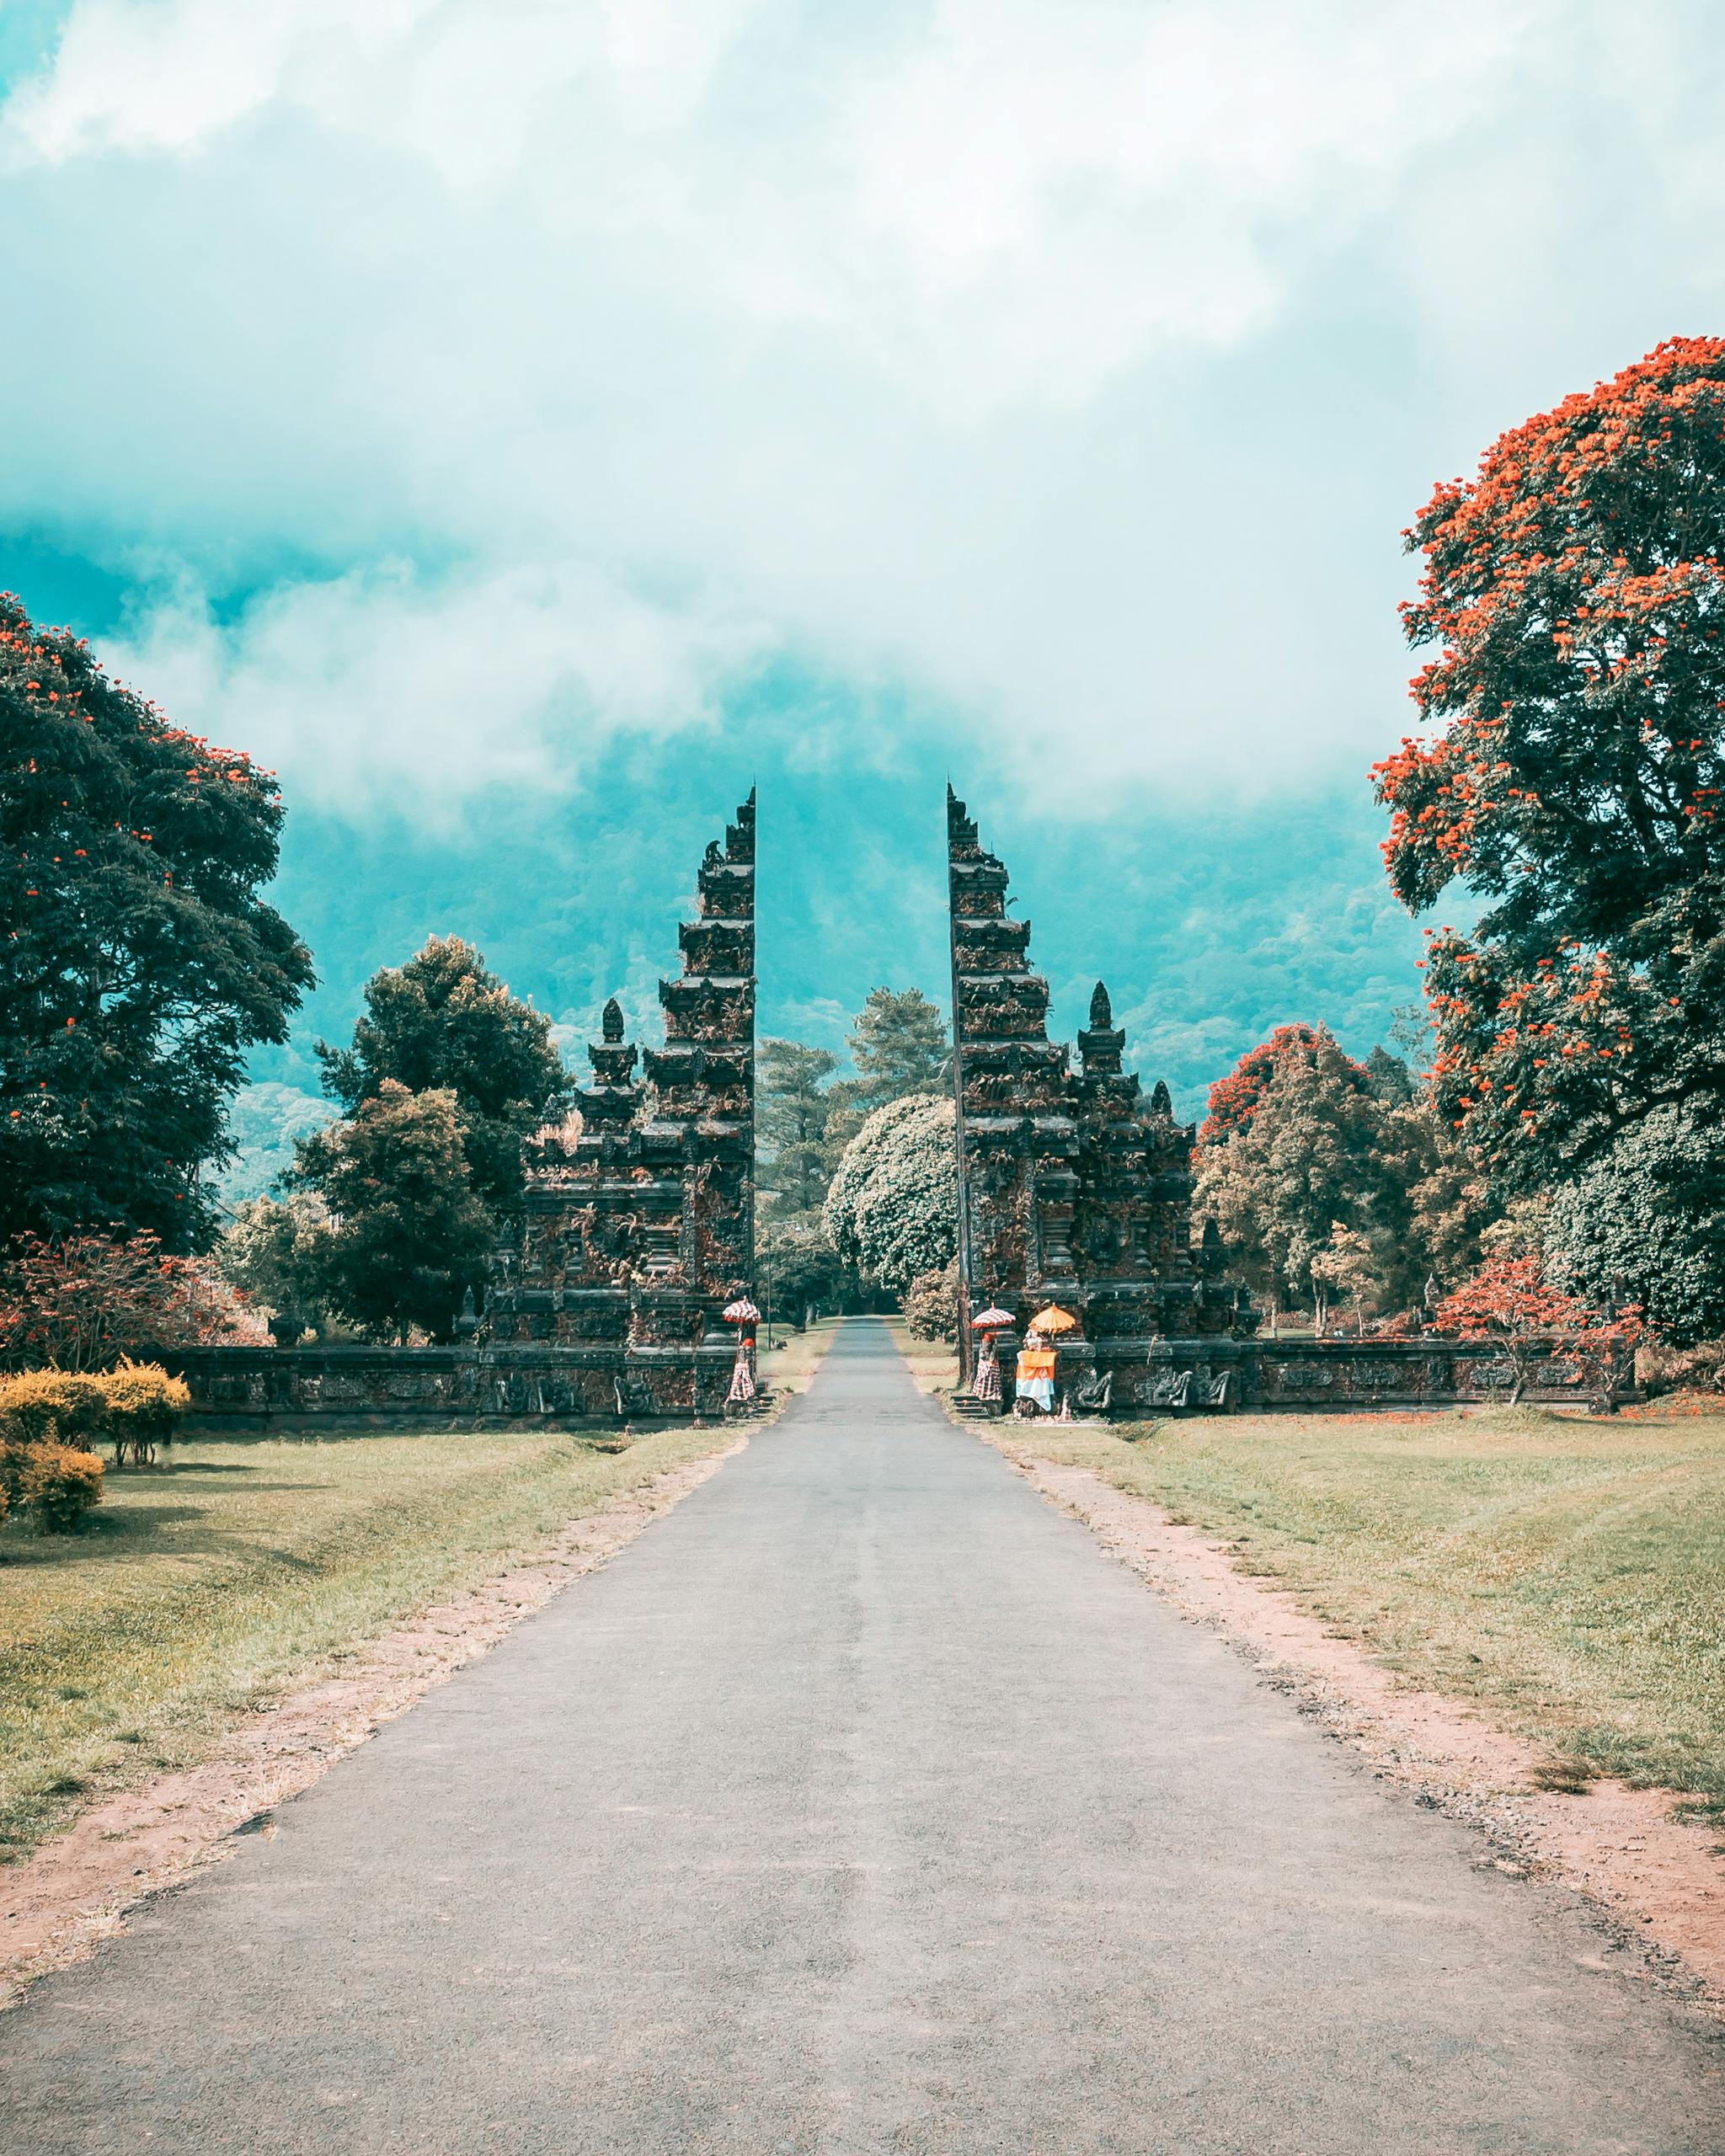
(1035,1362)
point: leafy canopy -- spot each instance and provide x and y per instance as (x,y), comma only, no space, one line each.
(138,962)
(1647,1219)
(899,1045)
(1572,771)
(892,1211)
(443,1022)
(409,1236)
(85,1302)
(1330,1178)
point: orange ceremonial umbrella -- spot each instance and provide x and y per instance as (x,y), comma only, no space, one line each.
(1053,1319)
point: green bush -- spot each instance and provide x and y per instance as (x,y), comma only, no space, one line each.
(930,1305)
(1646,1223)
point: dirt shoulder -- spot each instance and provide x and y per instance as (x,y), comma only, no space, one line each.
(1655,1877)
(76,1889)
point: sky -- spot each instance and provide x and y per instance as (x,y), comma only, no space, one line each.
(524,426)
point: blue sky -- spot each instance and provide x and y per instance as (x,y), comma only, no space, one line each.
(525,425)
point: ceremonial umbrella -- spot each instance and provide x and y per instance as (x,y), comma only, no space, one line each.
(994,1318)
(1053,1319)
(741,1312)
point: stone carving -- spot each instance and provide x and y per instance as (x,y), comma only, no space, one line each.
(1094,1393)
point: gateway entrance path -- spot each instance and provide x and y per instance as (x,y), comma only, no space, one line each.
(862,1805)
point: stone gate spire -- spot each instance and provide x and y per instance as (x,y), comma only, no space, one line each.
(635,1235)
(1071,1187)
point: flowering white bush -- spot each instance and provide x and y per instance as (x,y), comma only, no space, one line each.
(892,1211)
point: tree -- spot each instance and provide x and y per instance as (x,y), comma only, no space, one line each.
(796,1263)
(1234,1100)
(892,1211)
(1450,1200)
(409,1235)
(930,1304)
(138,962)
(899,1045)
(278,1254)
(1510,1301)
(1305,1154)
(898,1041)
(793,1112)
(443,1022)
(1349,1266)
(1647,1219)
(1572,771)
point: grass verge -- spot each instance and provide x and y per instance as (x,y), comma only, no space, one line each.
(934,1363)
(1568,1574)
(794,1355)
(205,1587)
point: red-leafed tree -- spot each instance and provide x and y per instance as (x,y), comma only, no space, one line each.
(1572,772)
(1234,1099)
(82,1302)
(138,960)
(1510,1302)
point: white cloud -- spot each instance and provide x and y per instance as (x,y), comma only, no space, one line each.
(371,682)
(1072,362)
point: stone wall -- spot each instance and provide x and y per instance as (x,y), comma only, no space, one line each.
(328,1386)
(1333,1375)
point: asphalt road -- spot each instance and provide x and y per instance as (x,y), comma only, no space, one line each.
(862,1805)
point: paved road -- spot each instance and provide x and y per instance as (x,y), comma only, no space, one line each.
(861,1805)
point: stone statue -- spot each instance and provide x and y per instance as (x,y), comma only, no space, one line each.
(1091,1397)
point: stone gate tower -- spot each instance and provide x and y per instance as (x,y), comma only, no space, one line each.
(1072,1187)
(636,1233)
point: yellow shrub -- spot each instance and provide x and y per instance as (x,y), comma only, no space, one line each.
(143,1408)
(51,1406)
(60,1484)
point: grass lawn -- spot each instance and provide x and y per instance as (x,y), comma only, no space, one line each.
(213,1583)
(1568,1574)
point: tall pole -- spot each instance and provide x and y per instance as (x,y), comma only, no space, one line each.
(966,1355)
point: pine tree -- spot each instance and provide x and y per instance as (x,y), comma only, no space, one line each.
(899,1045)
(793,1110)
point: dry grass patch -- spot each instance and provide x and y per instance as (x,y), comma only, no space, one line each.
(1567,1573)
(205,1587)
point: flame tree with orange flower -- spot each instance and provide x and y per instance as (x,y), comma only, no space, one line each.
(1572,770)
(138,962)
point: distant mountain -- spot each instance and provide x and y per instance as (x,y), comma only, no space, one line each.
(264,1120)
